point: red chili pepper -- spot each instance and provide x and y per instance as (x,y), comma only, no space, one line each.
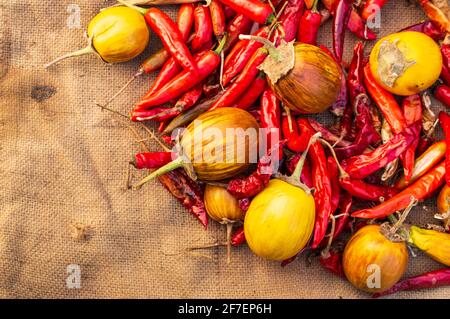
(254,9)
(321,182)
(385,102)
(152,160)
(238,237)
(309,25)
(371,7)
(428,28)
(291,17)
(442,93)
(207,62)
(433,279)
(327,135)
(335,187)
(306,176)
(185,19)
(244,204)
(436,15)
(242,82)
(444,120)
(187,192)
(219,22)
(345,205)
(361,166)
(253,93)
(239,25)
(270,117)
(341,19)
(412,109)
(445,75)
(333,263)
(153,62)
(295,142)
(170,69)
(229,13)
(423,188)
(445,50)
(203,28)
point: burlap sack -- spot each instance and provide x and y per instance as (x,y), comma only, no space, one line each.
(63,165)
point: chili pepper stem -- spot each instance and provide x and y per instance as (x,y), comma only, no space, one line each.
(177,163)
(267,44)
(326,252)
(104,107)
(134,77)
(393,232)
(87,50)
(342,172)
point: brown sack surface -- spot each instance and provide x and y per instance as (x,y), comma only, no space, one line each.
(63,162)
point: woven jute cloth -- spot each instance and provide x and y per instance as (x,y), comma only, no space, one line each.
(63,165)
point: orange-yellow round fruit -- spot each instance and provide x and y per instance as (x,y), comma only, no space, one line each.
(221,205)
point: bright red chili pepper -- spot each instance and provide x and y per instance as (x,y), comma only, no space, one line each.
(242,82)
(321,182)
(289,128)
(361,166)
(385,102)
(253,93)
(291,17)
(433,279)
(254,9)
(442,93)
(335,187)
(218,20)
(309,25)
(436,15)
(270,117)
(238,238)
(239,25)
(203,28)
(371,7)
(170,69)
(341,19)
(229,13)
(423,188)
(445,50)
(207,63)
(333,263)
(428,28)
(444,120)
(151,160)
(185,19)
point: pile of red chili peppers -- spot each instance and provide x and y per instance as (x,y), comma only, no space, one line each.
(204,65)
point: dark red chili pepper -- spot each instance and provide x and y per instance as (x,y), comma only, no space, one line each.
(428,28)
(327,135)
(152,159)
(239,25)
(444,120)
(253,92)
(254,9)
(291,17)
(185,19)
(433,279)
(203,28)
(371,7)
(289,128)
(333,263)
(170,69)
(244,204)
(306,177)
(229,13)
(270,117)
(162,126)
(335,187)
(345,205)
(385,102)
(341,19)
(442,93)
(218,19)
(207,63)
(361,166)
(445,50)
(242,82)
(321,183)
(238,237)
(167,139)
(187,192)
(423,188)
(309,25)
(445,75)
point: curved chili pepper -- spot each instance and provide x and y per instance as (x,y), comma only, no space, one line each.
(385,102)
(371,7)
(423,188)
(321,182)
(253,93)
(428,28)
(242,82)
(341,19)
(289,128)
(309,25)
(185,19)
(270,117)
(366,191)
(151,160)
(436,15)
(218,20)
(238,238)
(170,69)
(291,18)
(229,13)
(203,28)
(335,187)
(345,205)
(433,279)
(239,25)
(207,62)
(442,93)
(333,263)
(254,9)
(361,166)
(444,120)
(327,135)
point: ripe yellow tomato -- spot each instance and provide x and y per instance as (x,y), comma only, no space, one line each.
(372,262)
(279,221)
(406,63)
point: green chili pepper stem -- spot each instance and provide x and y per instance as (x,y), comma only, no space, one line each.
(267,44)
(132,6)
(177,163)
(221,45)
(87,50)
(314,6)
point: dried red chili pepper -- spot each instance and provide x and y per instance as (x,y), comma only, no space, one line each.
(244,204)
(321,183)
(295,141)
(428,28)
(306,176)
(371,7)
(309,25)
(333,262)
(151,160)
(185,19)
(385,102)
(229,13)
(270,117)
(445,74)
(432,279)
(290,18)
(420,190)
(238,237)
(436,15)
(253,92)
(345,205)
(242,82)
(442,93)
(203,28)
(254,9)
(335,187)
(218,19)
(207,63)
(239,25)
(361,166)
(444,120)
(327,135)
(170,69)
(341,19)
